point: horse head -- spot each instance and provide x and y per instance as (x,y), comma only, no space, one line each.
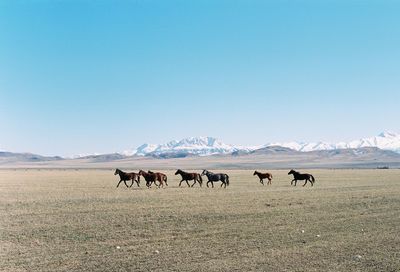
(141,172)
(117,171)
(255,173)
(178,171)
(205,172)
(291,172)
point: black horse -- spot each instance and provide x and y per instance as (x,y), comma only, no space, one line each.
(224,178)
(123,176)
(297,176)
(189,176)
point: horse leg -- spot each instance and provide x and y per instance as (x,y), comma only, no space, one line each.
(207,183)
(180,183)
(194,182)
(131,183)
(187,182)
(305,183)
(295,182)
(119,183)
(261,181)
(269,181)
(199,181)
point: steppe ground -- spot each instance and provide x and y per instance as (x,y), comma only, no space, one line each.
(76,220)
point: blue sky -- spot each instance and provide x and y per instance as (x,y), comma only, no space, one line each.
(104,76)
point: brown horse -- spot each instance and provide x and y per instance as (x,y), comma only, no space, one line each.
(160,177)
(263,176)
(189,176)
(127,176)
(151,177)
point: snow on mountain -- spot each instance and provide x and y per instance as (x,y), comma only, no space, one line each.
(385,141)
(202,146)
(141,150)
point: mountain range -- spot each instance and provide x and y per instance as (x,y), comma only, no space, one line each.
(205,146)
(383,149)
(200,146)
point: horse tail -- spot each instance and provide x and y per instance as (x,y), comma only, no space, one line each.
(227,179)
(200,178)
(312,178)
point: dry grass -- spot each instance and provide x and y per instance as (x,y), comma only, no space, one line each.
(55,220)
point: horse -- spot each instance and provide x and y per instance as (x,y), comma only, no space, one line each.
(149,178)
(127,176)
(224,178)
(189,176)
(263,176)
(160,177)
(297,176)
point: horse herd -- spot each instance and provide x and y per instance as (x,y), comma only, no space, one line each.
(154,177)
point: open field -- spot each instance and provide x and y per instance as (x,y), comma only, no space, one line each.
(76,220)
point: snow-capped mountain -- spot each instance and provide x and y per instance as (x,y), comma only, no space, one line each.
(385,140)
(202,146)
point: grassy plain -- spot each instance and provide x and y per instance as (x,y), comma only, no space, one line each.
(76,220)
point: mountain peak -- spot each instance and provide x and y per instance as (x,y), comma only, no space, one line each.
(201,146)
(388,134)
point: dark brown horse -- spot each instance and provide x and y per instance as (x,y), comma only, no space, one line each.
(149,178)
(127,176)
(189,176)
(297,176)
(263,176)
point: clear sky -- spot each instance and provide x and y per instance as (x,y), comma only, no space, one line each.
(104,76)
